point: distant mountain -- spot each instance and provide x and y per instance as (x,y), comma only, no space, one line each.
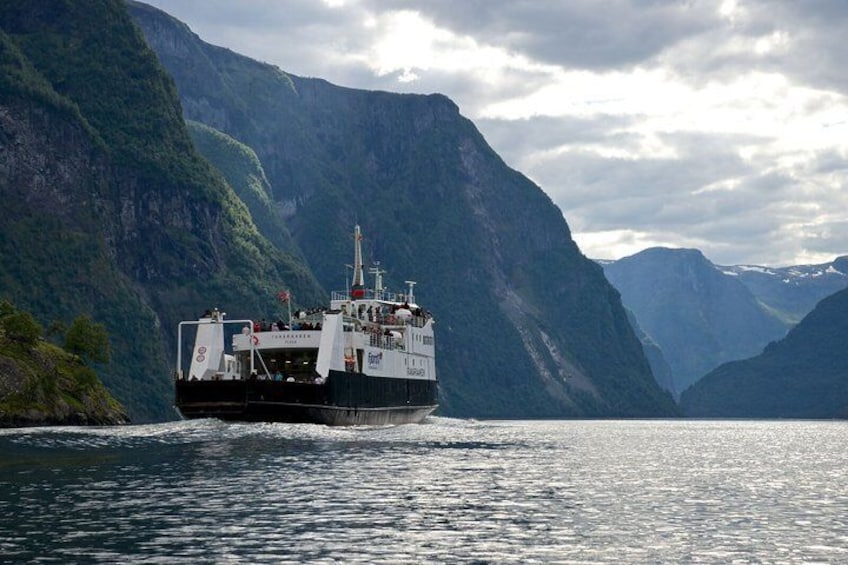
(792,292)
(699,316)
(804,375)
(526,325)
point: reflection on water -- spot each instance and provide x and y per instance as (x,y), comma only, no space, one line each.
(446,491)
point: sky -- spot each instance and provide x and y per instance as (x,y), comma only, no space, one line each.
(718,125)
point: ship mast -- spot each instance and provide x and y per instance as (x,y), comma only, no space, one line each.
(357,291)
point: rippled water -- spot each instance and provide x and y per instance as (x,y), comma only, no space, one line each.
(447,491)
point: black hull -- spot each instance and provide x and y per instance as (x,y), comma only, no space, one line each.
(346,399)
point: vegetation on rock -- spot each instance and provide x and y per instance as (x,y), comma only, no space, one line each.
(43,384)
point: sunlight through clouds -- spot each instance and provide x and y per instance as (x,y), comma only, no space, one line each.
(406,44)
(730,10)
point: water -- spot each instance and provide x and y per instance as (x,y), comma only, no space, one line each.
(447,491)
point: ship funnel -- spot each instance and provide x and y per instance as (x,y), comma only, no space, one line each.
(378,279)
(410,297)
(357,291)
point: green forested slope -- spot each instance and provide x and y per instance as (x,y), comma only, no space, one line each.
(108,209)
(244,173)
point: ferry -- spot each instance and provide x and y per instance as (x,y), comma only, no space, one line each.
(368,359)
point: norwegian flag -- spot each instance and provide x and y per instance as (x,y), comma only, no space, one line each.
(284,296)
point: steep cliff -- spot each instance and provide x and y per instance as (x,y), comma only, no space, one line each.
(527,326)
(108,209)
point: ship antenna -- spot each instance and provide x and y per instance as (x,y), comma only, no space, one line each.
(358,289)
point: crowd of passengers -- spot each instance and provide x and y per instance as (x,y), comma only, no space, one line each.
(379,314)
(382,314)
(298,323)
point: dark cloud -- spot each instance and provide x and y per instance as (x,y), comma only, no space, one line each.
(582,34)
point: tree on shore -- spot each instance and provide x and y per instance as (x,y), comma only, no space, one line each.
(88,339)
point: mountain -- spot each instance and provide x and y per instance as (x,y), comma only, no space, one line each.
(108,208)
(699,316)
(792,292)
(804,375)
(527,326)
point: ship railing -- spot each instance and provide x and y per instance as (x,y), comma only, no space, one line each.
(370,294)
(388,319)
(383,341)
(393,320)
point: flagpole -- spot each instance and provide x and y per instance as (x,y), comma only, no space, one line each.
(286,296)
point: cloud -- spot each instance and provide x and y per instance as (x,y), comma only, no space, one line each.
(722,126)
(579,34)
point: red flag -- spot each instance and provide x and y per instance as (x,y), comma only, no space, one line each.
(284,296)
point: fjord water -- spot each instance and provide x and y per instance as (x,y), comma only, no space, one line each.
(446,491)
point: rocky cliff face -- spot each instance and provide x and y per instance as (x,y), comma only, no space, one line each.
(58,240)
(527,326)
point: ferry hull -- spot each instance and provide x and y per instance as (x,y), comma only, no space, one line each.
(345,399)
